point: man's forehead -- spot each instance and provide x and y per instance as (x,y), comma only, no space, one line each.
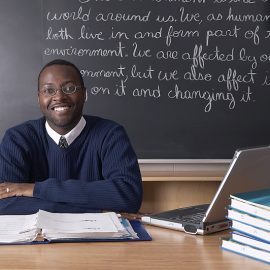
(59,71)
(65,68)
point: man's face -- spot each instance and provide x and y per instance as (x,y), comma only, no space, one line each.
(62,111)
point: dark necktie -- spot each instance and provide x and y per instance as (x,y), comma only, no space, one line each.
(63,142)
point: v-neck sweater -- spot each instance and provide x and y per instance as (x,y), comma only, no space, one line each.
(98,171)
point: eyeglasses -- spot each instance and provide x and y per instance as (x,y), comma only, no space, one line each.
(50,90)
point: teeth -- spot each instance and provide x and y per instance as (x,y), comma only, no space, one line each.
(59,109)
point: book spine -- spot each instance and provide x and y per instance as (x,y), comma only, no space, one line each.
(250,230)
(250,209)
(246,250)
(250,241)
(248,219)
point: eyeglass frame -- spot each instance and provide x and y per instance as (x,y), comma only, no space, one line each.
(45,93)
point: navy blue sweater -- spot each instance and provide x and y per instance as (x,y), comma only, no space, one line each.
(98,171)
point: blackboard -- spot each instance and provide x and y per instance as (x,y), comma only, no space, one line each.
(20,60)
(189,79)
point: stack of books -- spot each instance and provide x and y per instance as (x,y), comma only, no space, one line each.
(250,216)
(44,227)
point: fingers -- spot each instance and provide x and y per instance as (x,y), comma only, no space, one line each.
(6,190)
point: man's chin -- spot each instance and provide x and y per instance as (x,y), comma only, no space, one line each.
(61,124)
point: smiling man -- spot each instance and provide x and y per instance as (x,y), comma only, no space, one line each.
(67,161)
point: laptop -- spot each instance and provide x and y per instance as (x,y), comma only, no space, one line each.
(249,170)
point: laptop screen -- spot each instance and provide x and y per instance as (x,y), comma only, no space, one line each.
(249,170)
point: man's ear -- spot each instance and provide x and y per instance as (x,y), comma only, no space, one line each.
(86,95)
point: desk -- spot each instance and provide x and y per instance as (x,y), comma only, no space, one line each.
(168,250)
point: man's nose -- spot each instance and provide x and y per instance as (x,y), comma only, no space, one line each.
(59,94)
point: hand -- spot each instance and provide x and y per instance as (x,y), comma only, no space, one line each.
(8,189)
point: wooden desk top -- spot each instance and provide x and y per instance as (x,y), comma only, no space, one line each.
(168,250)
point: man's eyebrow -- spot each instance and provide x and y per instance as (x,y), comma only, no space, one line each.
(44,84)
(47,83)
(70,81)
(63,83)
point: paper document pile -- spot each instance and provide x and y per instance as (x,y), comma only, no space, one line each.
(58,226)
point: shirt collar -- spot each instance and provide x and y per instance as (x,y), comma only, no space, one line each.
(70,136)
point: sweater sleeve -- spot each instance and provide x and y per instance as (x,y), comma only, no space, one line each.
(15,158)
(31,205)
(119,190)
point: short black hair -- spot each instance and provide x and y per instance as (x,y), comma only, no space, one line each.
(63,63)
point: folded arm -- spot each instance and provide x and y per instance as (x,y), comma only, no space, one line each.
(120,188)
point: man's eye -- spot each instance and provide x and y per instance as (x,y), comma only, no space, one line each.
(69,89)
(49,90)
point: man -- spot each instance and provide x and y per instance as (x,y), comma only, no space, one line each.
(92,168)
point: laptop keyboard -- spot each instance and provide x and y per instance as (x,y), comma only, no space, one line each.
(193,218)
(193,214)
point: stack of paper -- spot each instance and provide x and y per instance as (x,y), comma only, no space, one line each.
(250,215)
(85,226)
(58,226)
(18,228)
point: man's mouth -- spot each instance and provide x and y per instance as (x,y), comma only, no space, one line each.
(61,108)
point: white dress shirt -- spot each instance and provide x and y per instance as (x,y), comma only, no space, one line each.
(70,136)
